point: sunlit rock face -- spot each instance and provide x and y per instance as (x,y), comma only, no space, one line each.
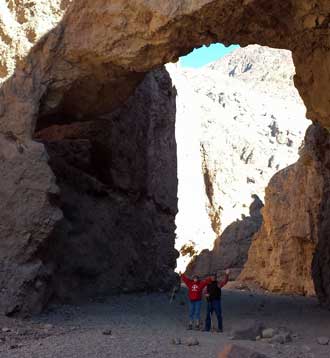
(22,25)
(239,121)
(91,61)
(294,222)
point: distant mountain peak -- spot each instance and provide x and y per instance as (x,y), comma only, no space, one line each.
(257,63)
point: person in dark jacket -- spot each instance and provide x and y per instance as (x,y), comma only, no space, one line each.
(213,296)
(195,292)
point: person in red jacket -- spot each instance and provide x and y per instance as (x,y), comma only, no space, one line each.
(195,290)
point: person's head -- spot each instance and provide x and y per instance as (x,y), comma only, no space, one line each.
(195,278)
(213,276)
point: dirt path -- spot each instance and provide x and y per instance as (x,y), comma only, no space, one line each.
(144,326)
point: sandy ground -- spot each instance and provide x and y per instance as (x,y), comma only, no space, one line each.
(144,326)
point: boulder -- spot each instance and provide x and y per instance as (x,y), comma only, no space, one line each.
(248,330)
(192,342)
(235,351)
(268,333)
(281,338)
(324,341)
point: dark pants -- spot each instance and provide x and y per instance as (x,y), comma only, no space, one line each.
(213,306)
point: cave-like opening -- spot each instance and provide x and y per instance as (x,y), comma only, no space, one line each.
(116,174)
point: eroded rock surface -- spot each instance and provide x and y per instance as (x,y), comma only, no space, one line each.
(116,189)
(94,58)
(231,247)
(281,255)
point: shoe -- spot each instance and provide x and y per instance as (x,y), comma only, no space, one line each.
(197,327)
(190,327)
(219,330)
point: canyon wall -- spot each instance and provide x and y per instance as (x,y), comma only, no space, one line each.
(280,258)
(114,198)
(86,64)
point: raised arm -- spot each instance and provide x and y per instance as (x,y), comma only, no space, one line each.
(206,282)
(186,280)
(225,280)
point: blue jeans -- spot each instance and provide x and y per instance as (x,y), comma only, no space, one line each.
(213,306)
(195,310)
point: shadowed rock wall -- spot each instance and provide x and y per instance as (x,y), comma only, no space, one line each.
(117,186)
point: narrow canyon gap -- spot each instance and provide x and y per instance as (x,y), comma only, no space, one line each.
(86,67)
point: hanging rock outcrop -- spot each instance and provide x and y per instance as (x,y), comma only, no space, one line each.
(90,62)
(281,254)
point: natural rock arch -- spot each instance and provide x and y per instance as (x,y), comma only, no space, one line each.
(101,50)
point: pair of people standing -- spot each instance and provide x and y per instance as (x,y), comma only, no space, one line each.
(213,297)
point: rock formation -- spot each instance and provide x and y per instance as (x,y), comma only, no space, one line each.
(90,62)
(280,258)
(231,248)
(116,198)
(239,121)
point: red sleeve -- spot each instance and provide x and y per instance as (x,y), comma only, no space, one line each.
(224,281)
(205,282)
(186,280)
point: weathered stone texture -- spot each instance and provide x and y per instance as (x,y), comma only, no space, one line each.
(231,247)
(280,258)
(91,62)
(109,224)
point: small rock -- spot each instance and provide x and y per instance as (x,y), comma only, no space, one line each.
(234,351)
(248,330)
(306,348)
(323,341)
(176,341)
(107,332)
(6,330)
(282,338)
(192,342)
(268,333)
(258,338)
(48,326)
(22,332)
(13,346)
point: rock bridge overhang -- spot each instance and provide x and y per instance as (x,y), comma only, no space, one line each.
(92,61)
(100,50)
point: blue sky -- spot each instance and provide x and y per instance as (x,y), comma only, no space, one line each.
(204,55)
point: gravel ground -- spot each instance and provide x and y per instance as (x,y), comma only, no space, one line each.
(144,326)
